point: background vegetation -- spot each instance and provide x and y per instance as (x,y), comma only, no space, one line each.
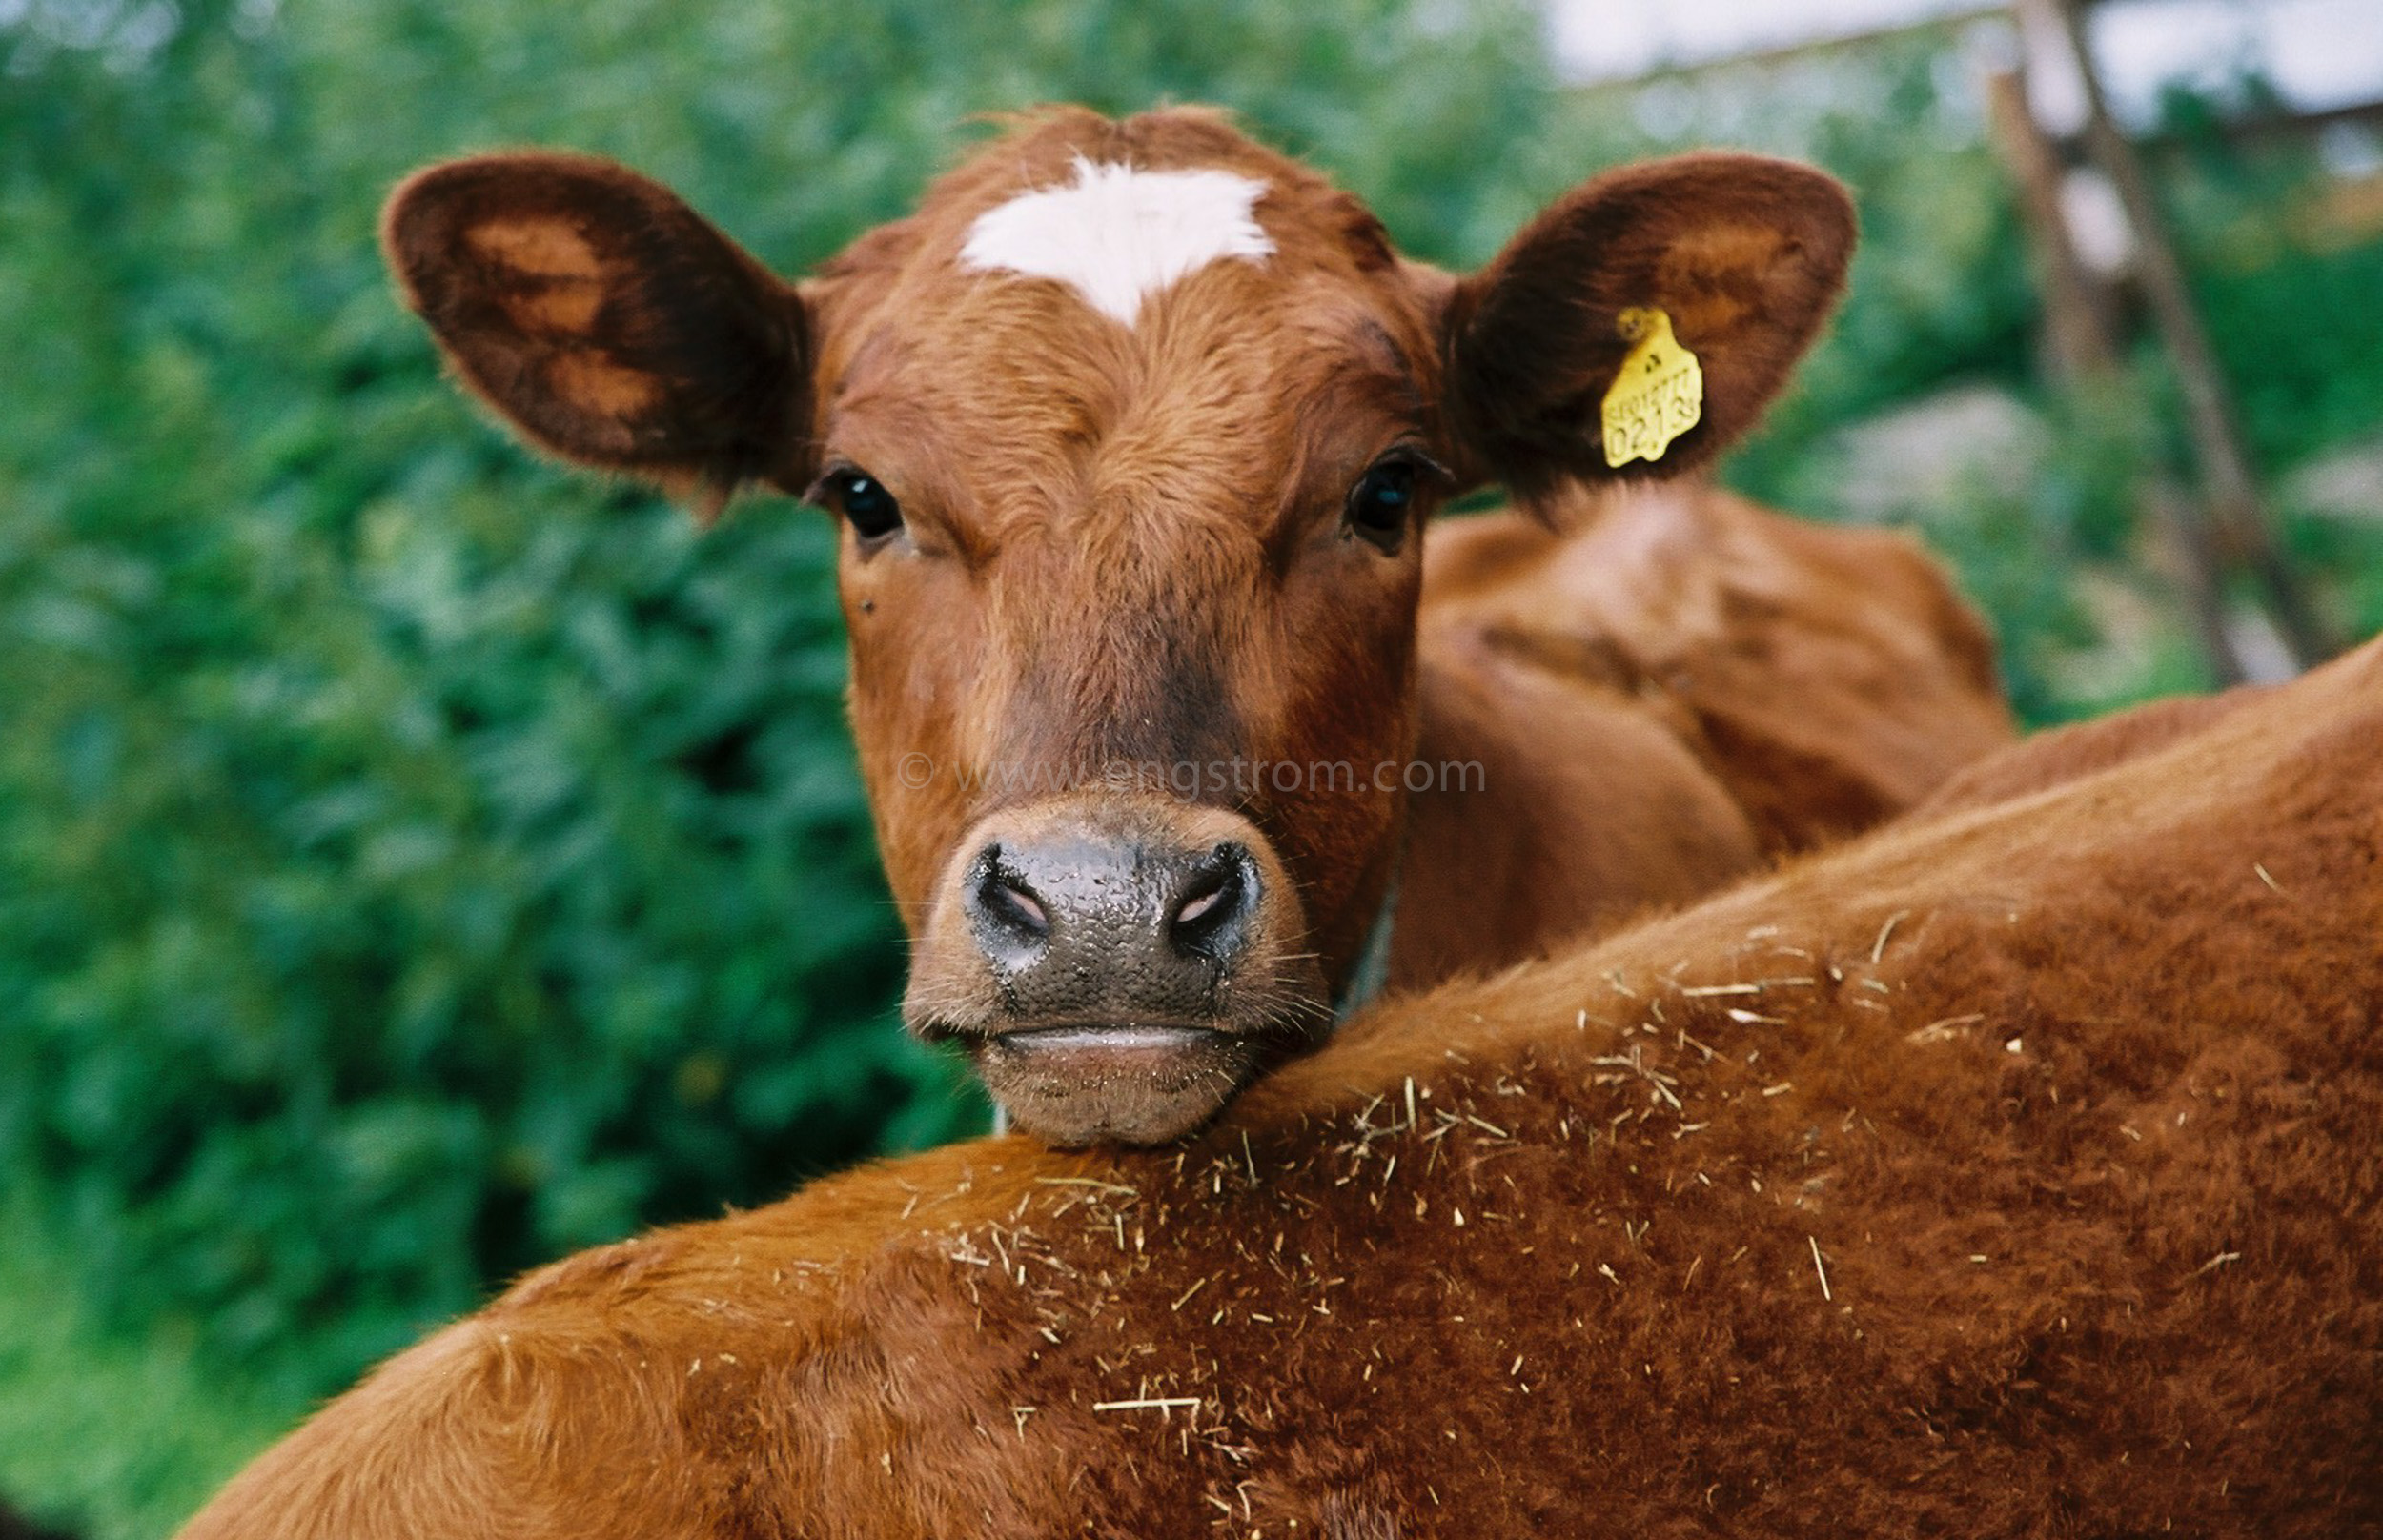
(415,861)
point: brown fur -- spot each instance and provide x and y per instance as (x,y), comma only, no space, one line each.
(560,286)
(1128,546)
(2060,755)
(2013,1172)
(1682,686)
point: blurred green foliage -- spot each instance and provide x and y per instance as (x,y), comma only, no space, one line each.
(415,860)
(114,1436)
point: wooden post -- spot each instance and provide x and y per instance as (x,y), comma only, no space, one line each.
(2239,525)
(2079,332)
(2082,341)
(2189,550)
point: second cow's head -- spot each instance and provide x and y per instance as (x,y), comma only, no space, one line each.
(1133,429)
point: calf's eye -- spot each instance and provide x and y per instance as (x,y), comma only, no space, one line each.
(1382,502)
(862,500)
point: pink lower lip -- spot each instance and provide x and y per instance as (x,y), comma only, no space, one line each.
(1075,1061)
(1124,1041)
(1132,1082)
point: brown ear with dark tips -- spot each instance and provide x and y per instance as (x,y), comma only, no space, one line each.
(607,320)
(1746,254)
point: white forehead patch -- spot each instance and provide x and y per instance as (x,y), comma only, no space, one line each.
(1118,236)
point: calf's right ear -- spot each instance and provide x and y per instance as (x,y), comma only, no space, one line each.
(1745,255)
(607,320)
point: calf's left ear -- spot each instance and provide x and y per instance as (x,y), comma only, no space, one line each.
(1745,255)
(608,321)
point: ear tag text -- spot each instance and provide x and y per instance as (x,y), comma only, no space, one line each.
(1657,395)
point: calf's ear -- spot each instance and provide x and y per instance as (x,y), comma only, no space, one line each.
(1743,253)
(607,320)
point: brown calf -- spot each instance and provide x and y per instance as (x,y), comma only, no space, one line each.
(2015,1172)
(1133,428)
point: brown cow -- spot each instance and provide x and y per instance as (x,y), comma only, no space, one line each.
(1134,427)
(2013,1171)
(1682,685)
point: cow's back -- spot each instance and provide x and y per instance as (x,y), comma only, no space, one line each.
(2059,755)
(1663,689)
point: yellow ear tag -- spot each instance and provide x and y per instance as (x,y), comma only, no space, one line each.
(1658,393)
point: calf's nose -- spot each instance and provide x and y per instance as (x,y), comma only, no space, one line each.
(1116,969)
(1079,924)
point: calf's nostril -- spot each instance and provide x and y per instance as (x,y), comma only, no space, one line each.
(1211,909)
(1021,906)
(1005,905)
(1200,903)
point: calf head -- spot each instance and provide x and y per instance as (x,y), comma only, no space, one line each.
(1132,429)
